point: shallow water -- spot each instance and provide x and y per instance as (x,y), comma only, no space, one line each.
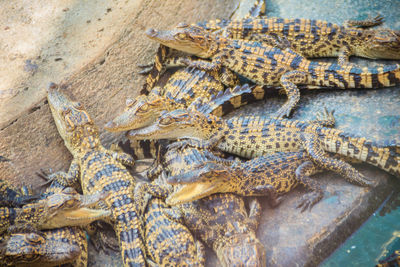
(376,239)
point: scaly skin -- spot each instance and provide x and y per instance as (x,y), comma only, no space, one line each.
(97,169)
(281,171)
(48,247)
(12,197)
(66,208)
(167,58)
(53,247)
(221,220)
(181,89)
(315,38)
(168,241)
(391,261)
(254,136)
(269,65)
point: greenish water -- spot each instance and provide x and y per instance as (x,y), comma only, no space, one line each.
(376,239)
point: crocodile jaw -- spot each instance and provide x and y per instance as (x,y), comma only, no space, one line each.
(77,217)
(191,192)
(155,132)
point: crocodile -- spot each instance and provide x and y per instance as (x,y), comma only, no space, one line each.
(166,57)
(222,222)
(391,261)
(168,241)
(282,170)
(52,247)
(65,208)
(12,197)
(271,65)
(97,169)
(253,136)
(25,246)
(231,236)
(315,38)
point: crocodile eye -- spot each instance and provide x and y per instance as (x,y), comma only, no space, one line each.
(78,105)
(35,238)
(144,108)
(181,35)
(129,102)
(166,121)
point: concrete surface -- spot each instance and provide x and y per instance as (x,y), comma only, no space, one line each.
(102,73)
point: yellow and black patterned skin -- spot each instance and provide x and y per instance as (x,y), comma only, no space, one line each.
(391,261)
(97,169)
(45,248)
(315,38)
(268,175)
(59,209)
(53,247)
(270,65)
(181,89)
(13,197)
(221,221)
(254,136)
(168,241)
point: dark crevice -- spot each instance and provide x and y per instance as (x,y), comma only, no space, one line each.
(11,123)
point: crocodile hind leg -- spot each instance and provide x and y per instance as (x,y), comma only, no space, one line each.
(289,83)
(325,118)
(315,150)
(302,175)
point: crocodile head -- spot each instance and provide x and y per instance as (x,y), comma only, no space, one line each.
(187,38)
(179,123)
(66,208)
(208,179)
(31,249)
(242,249)
(382,43)
(139,113)
(73,122)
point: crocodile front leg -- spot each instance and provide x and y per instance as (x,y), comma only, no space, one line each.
(315,150)
(61,180)
(344,55)
(254,214)
(302,175)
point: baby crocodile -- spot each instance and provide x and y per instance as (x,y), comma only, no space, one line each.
(52,247)
(222,222)
(315,38)
(97,169)
(253,136)
(271,65)
(282,171)
(66,208)
(168,241)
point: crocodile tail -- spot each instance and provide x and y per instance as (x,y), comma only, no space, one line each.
(225,101)
(155,73)
(141,149)
(385,156)
(128,227)
(352,76)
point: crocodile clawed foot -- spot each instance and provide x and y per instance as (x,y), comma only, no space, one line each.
(181,145)
(283,112)
(309,200)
